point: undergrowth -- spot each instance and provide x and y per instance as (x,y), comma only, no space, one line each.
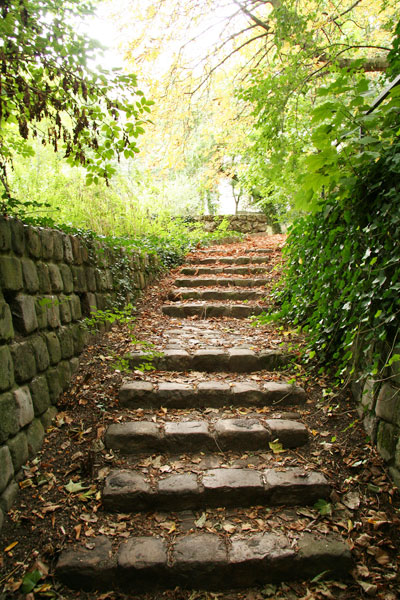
(341,281)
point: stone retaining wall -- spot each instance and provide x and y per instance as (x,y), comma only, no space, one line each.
(48,281)
(379,409)
(244,223)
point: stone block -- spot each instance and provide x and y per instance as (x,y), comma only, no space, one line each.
(316,555)
(9,496)
(40,394)
(54,384)
(10,274)
(24,314)
(66,275)
(41,312)
(134,437)
(91,279)
(33,242)
(18,446)
(47,239)
(246,393)
(24,406)
(101,280)
(5,234)
(135,393)
(40,352)
(241,434)
(53,347)
(242,360)
(232,487)
(47,417)
(58,246)
(56,281)
(268,553)
(180,491)
(126,491)
(283,393)
(44,278)
(35,436)
(76,309)
(175,394)
(65,309)
(210,360)
(188,436)
(88,569)
(174,360)
(198,558)
(76,249)
(68,252)
(6,324)
(53,312)
(66,342)
(295,486)
(387,437)
(8,417)
(7,369)
(64,371)
(291,434)
(74,365)
(17,236)
(78,333)
(30,275)
(213,393)
(388,404)
(79,279)
(143,559)
(7,469)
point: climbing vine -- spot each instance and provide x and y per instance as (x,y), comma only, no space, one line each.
(342,278)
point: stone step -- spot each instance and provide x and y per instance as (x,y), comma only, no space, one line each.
(228,260)
(209,311)
(140,394)
(217,250)
(215,294)
(138,437)
(201,561)
(131,491)
(220,282)
(232,270)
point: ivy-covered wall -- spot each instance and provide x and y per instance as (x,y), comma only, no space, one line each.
(244,223)
(379,407)
(49,281)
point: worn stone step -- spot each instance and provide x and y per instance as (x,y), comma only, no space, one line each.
(129,490)
(208,310)
(228,260)
(137,437)
(201,561)
(215,294)
(220,282)
(232,270)
(139,394)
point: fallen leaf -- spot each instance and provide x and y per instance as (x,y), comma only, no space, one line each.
(201,521)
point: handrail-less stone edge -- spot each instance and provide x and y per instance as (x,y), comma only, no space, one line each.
(202,561)
(137,394)
(177,294)
(247,270)
(129,490)
(136,437)
(186,282)
(228,260)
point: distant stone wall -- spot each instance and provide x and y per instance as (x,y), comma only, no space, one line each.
(379,408)
(48,282)
(244,223)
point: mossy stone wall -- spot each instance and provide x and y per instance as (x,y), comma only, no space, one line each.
(49,281)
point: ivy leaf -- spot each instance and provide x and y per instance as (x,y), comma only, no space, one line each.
(74,488)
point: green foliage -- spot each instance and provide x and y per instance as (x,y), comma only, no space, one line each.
(342,278)
(49,91)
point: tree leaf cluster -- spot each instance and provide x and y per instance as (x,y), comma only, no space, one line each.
(51,90)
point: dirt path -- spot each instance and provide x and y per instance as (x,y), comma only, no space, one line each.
(240,469)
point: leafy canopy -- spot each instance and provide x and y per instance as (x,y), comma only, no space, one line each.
(49,89)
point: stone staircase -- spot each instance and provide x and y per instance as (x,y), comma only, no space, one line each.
(205,452)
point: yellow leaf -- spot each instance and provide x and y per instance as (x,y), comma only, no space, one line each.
(10,547)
